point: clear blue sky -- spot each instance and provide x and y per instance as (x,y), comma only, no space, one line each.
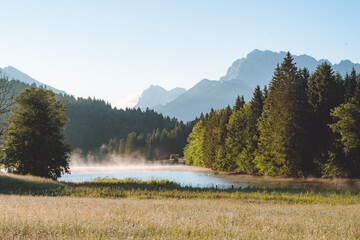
(115,49)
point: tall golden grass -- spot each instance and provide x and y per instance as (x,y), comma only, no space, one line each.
(31,217)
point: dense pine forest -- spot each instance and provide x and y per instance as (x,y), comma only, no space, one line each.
(301,125)
(95,126)
(93,123)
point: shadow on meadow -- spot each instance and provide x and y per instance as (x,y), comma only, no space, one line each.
(24,185)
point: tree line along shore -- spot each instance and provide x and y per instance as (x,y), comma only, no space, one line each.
(302,124)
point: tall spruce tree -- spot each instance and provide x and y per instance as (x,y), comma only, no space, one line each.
(265,92)
(243,134)
(284,124)
(194,150)
(340,85)
(236,138)
(253,114)
(239,102)
(210,138)
(323,95)
(221,162)
(350,85)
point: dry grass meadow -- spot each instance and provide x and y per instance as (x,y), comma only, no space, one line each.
(36,208)
(39,217)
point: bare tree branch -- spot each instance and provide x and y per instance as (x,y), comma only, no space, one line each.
(7,94)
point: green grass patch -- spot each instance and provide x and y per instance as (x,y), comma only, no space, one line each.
(164,189)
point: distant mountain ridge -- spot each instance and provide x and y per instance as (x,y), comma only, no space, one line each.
(155,97)
(258,66)
(202,97)
(13,73)
(241,78)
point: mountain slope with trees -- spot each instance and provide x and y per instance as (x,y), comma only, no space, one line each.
(93,123)
(241,78)
(15,74)
(302,125)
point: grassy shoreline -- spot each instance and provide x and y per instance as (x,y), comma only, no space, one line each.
(309,183)
(36,208)
(164,189)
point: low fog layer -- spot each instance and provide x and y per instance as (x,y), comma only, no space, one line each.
(113,162)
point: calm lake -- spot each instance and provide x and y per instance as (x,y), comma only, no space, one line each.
(184,175)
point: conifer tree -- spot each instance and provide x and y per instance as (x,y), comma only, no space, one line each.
(239,102)
(265,92)
(236,138)
(257,102)
(130,144)
(194,150)
(340,87)
(122,147)
(304,75)
(283,125)
(113,146)
(221,162)
(152,144)
(252,114)
(350,85)
(323,95)
(210,138)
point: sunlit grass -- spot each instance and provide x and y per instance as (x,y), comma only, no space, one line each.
(36,208)
(164,189)
(34,217)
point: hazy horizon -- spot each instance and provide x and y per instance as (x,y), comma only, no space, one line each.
(114,50)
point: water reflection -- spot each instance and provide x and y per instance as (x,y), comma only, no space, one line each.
(172,173)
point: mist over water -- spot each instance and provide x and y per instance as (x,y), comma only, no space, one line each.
(113,162)
(90,167)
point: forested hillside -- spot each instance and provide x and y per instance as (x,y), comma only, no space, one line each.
(93,123)
(302,125)
(240,79)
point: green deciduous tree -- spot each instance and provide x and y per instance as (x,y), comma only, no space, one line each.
(7,93)
(33,142)
(347,125)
